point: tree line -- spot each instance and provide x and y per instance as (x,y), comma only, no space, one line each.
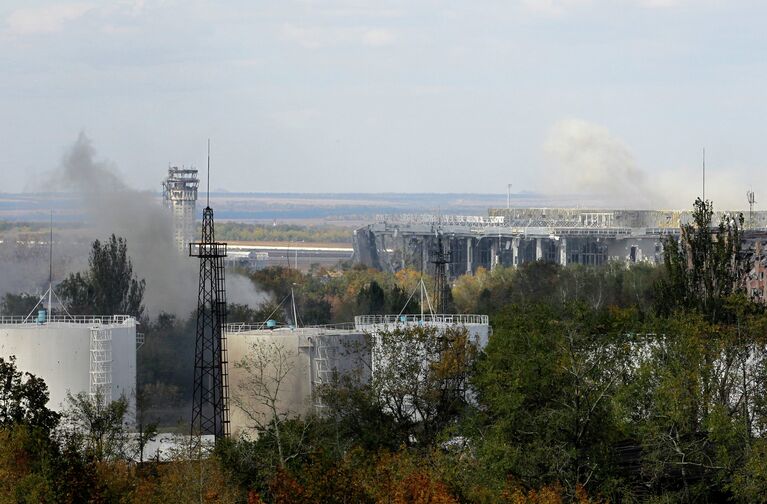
(239,231)
(599,384)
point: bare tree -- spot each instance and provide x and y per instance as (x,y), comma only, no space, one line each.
(263,395)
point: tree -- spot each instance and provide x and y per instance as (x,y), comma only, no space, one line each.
(77,294)
(371,299)
(185,480)
(419,377)
(165,363)
(703,268)
(97,426)
(23,398)
(692,395)
(17,304)
(355,417)
(27,465)
(546,386)
(263,393)
(146,431)
(109,286)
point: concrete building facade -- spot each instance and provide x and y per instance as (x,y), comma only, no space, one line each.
(512,237)
(179,194)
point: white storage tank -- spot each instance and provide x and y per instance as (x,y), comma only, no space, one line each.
(311,356)
(75,354)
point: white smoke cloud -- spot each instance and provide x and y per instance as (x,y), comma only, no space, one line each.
(590,160)
(240,290)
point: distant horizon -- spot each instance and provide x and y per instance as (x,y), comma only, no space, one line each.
(585,96)
(222,191)
(319,207)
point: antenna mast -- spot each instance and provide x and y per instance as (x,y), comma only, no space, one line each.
(210,404)
(704,174)
(751,201)
(50,270)
(207,204)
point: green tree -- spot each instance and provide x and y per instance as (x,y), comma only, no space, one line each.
(705,266)
(355,417)
(109,286)
(371,299)
(17,304)
(97,426)
(23,398)
(692,401)
(28,466)
(419,378)
(546,386)
(750,480)
(164,364)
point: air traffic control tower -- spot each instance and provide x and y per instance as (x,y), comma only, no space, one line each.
(179,194)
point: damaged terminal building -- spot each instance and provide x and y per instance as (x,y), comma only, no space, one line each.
(514,236)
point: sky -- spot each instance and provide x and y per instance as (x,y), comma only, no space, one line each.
(615,97)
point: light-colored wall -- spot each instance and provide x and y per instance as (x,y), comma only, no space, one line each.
(300,346)
(124,365)
(294,398)
(60,354)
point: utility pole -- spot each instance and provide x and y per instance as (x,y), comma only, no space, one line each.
(508,196)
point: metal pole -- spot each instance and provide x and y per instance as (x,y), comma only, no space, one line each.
(704,174)
(295,315)
(50,269)
(422,287)
(208,185)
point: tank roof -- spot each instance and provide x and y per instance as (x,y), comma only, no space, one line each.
(426,318)
(361,322)
(64,320)
(347,328)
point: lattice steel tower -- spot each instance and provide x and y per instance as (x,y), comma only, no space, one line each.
(179,194)
(440,258)
(210,410)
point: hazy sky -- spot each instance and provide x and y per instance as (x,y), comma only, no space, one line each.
(308,96)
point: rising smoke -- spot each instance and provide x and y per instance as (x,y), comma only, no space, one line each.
(111,206)
(590,160)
